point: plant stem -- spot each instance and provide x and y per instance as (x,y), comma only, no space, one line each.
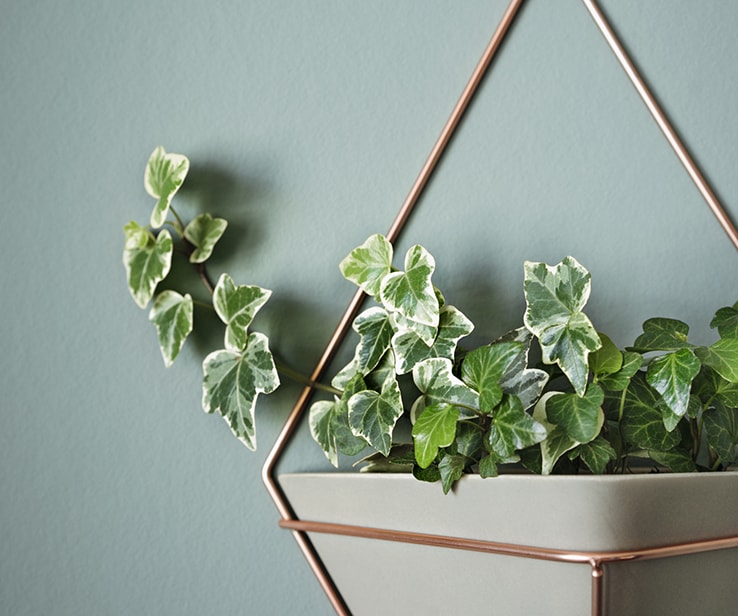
(302,379)
(179,223)
(197,302)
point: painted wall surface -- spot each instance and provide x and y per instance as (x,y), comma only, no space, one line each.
(306,124)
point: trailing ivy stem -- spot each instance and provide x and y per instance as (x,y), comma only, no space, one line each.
(179,223)
(202,272)
(202,304)
(302,379)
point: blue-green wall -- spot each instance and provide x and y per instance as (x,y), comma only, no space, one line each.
(306,124)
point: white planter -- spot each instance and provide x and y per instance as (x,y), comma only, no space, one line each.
(581,514)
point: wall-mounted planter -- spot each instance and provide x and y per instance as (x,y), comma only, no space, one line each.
(579,514)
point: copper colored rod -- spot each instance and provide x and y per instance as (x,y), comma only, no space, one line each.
(509,549)
(268,474)
(596,560)
(454,119)
(662,121)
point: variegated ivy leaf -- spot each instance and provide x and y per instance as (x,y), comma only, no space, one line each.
(375,331)
(434,428)
(321,428)
(384,371)
(580,416)
(484,367)
(232,382)
(329,424)
(329,427)
(519,380)
(411,293)
(367,265)
(425,333)
(555,297)
(671,375)
(512,429)
(203,232)
(726,321)
(373,415)
(557,441)
(147,260)
(642,423)
(435,379)
(722,357)
(163,176)
(660,334)
(410,349)
(237,306)
(172,316)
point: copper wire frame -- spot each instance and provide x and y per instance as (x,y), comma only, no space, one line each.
(596,560)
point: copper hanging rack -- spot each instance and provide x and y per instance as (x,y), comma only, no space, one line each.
(596,560)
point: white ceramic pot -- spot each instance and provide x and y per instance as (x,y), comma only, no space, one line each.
(575,513)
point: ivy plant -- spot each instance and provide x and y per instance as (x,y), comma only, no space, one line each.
(554,395)
(235,375)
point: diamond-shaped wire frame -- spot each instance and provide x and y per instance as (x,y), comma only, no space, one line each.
(300,528)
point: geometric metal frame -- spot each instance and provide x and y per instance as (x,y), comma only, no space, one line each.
(596,560)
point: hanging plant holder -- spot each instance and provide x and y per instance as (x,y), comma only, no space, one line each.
(604,545)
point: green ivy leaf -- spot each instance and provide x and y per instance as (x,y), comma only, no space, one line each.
(451,468)
(580,416)
(607,359)
(721,431)
(411,293)
(488,467)
(671,375)
(709,384)
(662,334)
(203,232)
(620,380)
(430,474)
(163,176)
(410,349)
(596,454)
(172,316)
(676,460)
(555,297)
(435,379)
(722,357)
(469,440)
(147,260)
(726,321)
(643,424)
(434,428)
(373,415)
(233,381)
(512,429)
(236,306)
(367,265)
(484,367)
